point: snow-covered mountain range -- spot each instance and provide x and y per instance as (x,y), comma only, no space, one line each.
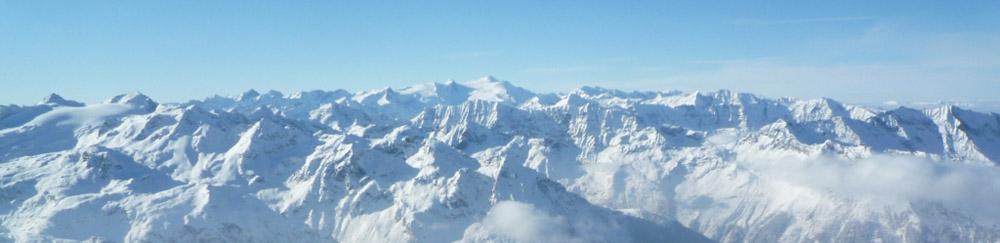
(487,161)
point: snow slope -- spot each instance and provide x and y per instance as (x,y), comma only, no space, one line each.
(487,161)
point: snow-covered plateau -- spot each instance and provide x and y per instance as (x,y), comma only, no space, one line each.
(486,161)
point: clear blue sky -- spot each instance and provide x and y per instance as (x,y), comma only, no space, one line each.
(864,51)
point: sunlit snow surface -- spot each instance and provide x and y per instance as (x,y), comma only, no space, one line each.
(486,161)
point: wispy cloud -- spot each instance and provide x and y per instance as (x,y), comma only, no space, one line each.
(890,179)
(511,221)
(802,20)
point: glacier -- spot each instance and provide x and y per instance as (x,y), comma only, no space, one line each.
(488,161)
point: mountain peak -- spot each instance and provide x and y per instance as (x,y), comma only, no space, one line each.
(380,97)
(492,89)
(489,78)
(383,165)
(56,100)
(248,95)
(135,99)
(274,93)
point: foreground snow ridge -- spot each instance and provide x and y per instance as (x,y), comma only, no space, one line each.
(487,161)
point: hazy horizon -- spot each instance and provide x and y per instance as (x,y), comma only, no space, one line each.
(982,106)
(175,51)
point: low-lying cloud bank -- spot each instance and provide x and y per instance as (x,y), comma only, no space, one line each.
(971,188)
(512,221)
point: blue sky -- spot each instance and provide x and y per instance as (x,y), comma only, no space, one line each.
(864,51)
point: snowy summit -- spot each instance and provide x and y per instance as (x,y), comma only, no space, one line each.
(488,161)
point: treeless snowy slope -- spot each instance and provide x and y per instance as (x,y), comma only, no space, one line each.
(487,161)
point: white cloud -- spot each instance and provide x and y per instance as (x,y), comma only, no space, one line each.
(520,222)
(727,137)
(970,188)
(511,221)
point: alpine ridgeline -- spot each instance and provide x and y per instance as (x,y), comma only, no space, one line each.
(486,161)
